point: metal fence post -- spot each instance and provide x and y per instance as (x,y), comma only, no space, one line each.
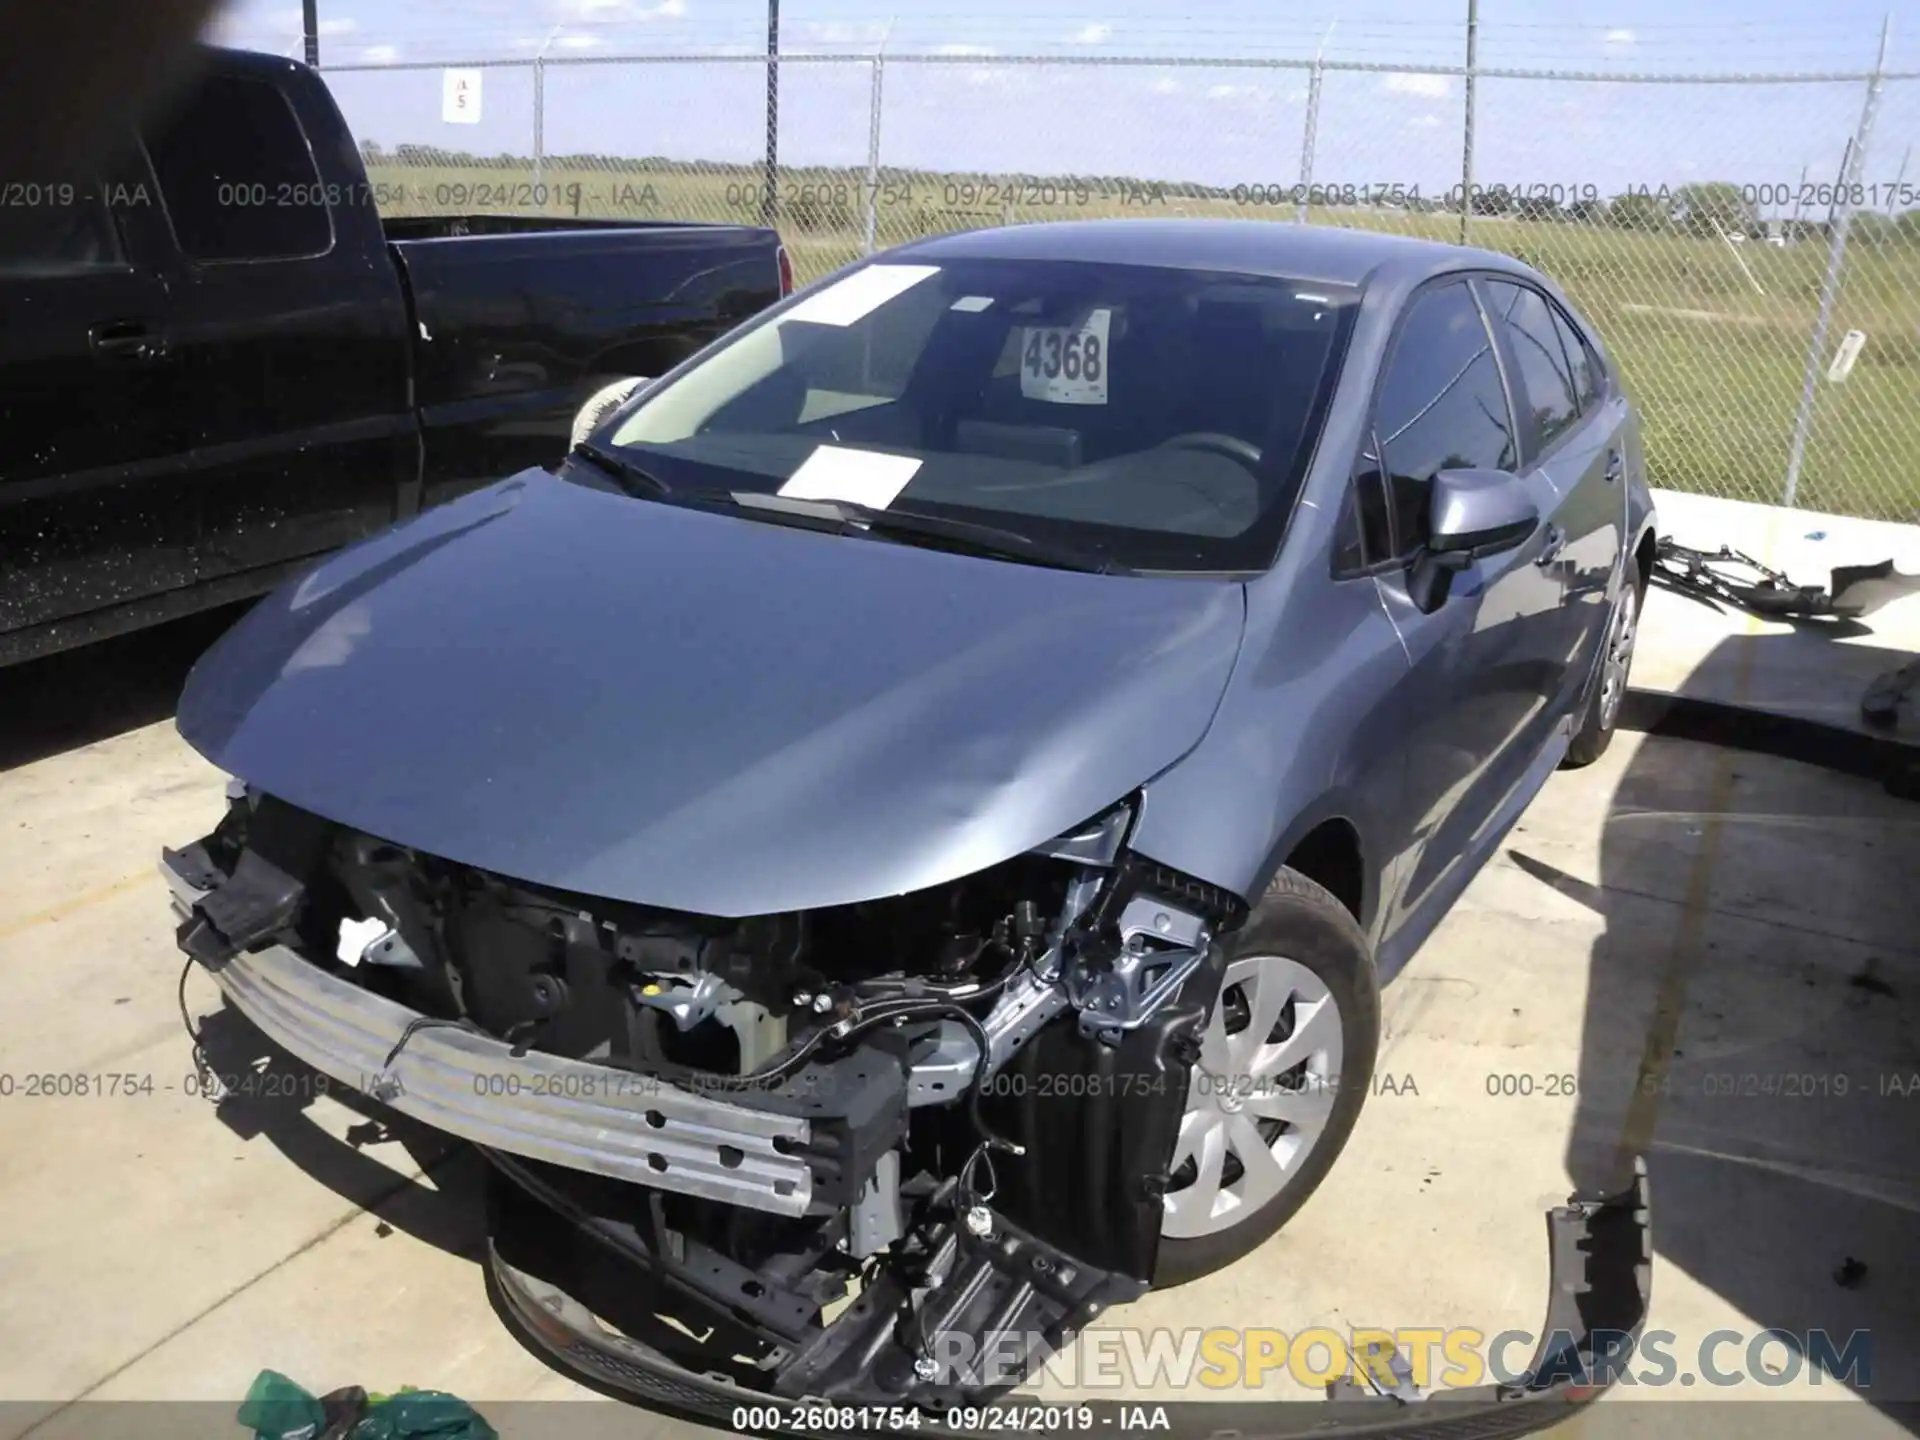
(1308,139)
(873,154)
(539,127)
(1836,258)
(1466,137)
(1310,135)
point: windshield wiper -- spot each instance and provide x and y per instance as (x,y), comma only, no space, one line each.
(968,536)
(632,478)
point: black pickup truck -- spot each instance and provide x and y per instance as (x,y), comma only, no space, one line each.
(218,362)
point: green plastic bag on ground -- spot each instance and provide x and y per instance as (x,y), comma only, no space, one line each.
(422,1415)
(276,1408)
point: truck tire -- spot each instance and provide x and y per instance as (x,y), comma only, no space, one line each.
(1602,712)
(602,403)
(1266,1118)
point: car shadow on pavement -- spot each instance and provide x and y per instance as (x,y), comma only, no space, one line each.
(1752,1027)
(62,702)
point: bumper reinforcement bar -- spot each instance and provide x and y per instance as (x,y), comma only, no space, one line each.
(616,1123)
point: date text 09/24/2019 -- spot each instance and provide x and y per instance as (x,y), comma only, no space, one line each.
(1002,1419)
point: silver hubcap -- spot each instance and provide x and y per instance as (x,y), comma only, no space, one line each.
(1613,680)
(1259,1097)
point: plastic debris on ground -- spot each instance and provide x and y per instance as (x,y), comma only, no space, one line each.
(277,1408)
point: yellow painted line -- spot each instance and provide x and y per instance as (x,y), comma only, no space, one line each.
(1643,1107)
(74,905)
(1656,1057)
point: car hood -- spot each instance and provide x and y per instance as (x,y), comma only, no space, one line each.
(703,712)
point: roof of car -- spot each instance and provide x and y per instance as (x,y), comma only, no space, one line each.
(1325,253)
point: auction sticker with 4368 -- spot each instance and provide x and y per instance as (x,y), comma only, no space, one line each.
(1066,365)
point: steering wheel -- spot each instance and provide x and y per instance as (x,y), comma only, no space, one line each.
(1212,441)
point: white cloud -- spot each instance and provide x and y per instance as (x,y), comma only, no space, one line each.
(380,54)
(1424,122)
(576,42)
(1622,37)
(965,50)
(1236,92)
(1433,87)
(614,12)
(1097,33)
(1165,85)
(340,25)
(838,32)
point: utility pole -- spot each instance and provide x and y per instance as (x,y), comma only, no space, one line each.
(310,30)
(1466,148)
(770,198)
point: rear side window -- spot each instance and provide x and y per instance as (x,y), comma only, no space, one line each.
(237,175)
(57,229)
(1442,407)
(1543,363)
(1585,366)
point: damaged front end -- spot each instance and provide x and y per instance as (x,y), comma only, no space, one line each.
(792,1148)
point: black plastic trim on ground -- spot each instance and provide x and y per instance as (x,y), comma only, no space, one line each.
(1599,1289)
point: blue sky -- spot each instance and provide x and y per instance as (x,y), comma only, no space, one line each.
(1218,124)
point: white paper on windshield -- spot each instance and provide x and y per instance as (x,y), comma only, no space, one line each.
(859,476)
(860,294)
(972,304)
(1066,365)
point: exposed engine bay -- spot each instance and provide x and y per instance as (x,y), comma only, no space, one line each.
(840,1153)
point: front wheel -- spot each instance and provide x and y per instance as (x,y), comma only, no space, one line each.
(1284,1066)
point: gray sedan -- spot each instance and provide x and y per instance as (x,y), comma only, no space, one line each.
(921,803)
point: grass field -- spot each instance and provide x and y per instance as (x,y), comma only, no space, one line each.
(1712,338)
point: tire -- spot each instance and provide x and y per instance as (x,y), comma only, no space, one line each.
(1602,712)
(602,403)
(1303,941)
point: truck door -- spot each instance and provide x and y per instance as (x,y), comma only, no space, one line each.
(93,510)
(289,329)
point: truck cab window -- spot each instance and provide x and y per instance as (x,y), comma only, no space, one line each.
(237,175)
(58,230)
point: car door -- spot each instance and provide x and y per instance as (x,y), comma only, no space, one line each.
(93,512)
(289,340)
(1572,439)
(1475,710)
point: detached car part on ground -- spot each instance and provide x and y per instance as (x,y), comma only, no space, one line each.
(1729,577)
(896,842)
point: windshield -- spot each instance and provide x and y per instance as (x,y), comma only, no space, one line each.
(1159,418)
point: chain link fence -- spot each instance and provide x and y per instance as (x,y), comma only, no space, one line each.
(1729,235)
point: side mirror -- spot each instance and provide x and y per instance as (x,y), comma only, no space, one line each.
(1476,513)
(1471,514)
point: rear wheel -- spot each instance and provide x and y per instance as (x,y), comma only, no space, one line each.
(1590,741)
(1284,1065)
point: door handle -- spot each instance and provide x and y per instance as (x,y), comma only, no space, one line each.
(1552,545)
(1616,465)
(126,340)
